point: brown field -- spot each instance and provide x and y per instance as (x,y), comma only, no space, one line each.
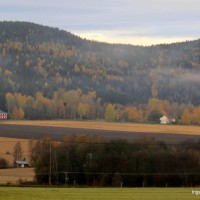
(57,129)
(127,127)
(15,175)
(7,147)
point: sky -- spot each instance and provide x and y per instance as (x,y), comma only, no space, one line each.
(137,22)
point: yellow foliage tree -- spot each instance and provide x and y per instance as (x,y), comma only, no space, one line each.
(186,118)
(83,110)
(17,113)
(157,104)
(134,114)
(196,116)
(110,113)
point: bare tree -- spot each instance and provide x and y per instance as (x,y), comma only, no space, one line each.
(18,151)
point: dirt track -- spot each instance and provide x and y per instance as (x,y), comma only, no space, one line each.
(57,133)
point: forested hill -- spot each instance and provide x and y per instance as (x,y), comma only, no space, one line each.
(38,58)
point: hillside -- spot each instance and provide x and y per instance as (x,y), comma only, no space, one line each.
(38,58)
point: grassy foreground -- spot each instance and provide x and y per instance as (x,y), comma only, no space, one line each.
(18,193)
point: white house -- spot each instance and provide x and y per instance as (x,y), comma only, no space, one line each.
(164,120)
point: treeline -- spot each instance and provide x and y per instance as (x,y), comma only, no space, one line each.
(38,58)
(89,160)
(74,104)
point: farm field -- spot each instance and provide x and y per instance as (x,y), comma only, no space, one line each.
(14,175)
(57,129)
(19,193)
(7,147)
(95,125)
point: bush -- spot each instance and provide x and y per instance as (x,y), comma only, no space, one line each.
(3,163)
(155,116)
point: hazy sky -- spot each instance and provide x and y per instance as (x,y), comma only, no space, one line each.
(116,21)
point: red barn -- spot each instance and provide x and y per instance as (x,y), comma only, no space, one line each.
(3,115)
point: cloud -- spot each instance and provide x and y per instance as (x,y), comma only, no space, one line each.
(123,18)
(115,37)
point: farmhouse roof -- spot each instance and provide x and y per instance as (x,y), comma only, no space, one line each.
(21,162)
(164,118)
(1,112)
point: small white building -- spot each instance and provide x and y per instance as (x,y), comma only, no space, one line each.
(164,120)
(21,164)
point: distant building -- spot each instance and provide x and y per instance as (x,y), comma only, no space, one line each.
(3,115)
(21,164)
(164,120)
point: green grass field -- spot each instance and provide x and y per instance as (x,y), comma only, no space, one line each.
(20,193)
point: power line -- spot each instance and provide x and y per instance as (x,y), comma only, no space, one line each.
(124,142)
(113,173)
(110,173)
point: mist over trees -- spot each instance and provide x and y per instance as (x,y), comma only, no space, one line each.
(43,63)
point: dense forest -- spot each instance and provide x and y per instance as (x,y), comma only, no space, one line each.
(89,160)
(41,67)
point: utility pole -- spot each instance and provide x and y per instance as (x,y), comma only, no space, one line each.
(66,178)
(49,162)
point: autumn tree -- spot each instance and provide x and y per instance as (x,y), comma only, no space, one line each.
(59,103)
(43,106)
(99,108)
(134,114)
(17,113)
(196,116)
(83,110)
(157,104)
(110,113)
(10,102)
(60,108)
(18,151)
(121,112)
(186,117)
(89,102)
(20,100)
(16,104)
(71,101)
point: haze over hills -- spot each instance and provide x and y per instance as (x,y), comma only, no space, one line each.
(38,58)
